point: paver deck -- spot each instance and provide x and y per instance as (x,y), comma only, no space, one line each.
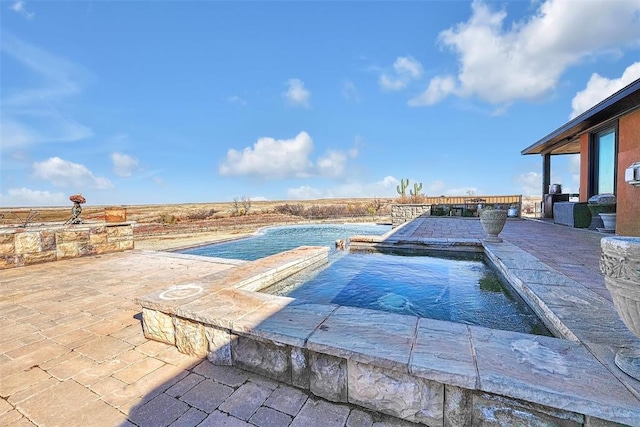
(72,350)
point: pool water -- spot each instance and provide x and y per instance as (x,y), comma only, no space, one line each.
(457,290)
(273,240)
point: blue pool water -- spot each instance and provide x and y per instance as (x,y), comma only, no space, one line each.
(273,240)
(456,290)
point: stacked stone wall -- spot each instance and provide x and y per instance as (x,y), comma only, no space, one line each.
(405,213)
(32,245)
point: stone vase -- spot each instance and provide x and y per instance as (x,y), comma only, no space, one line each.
(493,221)
(620,263)
(609,221)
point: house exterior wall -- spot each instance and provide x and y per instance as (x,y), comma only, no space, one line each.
(628,208)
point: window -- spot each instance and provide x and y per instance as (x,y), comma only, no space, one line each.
(603,162)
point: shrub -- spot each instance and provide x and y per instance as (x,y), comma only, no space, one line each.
(168,219)
(201,214)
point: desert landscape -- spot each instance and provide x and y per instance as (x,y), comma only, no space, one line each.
(177,226)
(174,226)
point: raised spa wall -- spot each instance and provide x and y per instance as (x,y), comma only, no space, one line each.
(421,370)
(20,246)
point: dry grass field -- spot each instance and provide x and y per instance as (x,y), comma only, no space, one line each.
(190,212)
(160,227)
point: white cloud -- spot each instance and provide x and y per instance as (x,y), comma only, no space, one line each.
(32,115)
(435,188)
(20,7)
(501,63)
(332,164)
(405,70)
(66,174)
(285,158)
(304,192)
(598,88)
(386,187)
(272,158)
(462,191)
(350,91)
(297,95)
(123,164)
(530,183)
(439,88)
(20,197)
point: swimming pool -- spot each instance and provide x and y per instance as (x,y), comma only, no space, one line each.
(273,240)
(458,290)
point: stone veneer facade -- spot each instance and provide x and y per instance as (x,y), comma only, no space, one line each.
(32,245)
(405,213)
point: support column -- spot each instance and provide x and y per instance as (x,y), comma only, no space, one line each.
(546,173)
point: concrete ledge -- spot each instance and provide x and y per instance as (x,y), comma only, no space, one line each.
(420,370)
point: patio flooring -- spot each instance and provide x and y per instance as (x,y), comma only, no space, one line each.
(72,350)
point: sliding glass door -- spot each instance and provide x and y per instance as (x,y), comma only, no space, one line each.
(603,165)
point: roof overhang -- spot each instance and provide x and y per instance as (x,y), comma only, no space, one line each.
(565,139)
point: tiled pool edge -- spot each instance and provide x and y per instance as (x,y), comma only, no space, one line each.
(305,345)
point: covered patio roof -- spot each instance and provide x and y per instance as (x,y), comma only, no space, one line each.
(564,140)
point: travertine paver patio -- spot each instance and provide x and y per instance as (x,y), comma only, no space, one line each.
(72,350)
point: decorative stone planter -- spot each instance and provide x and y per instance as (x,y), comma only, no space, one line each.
(115,214)
(493,221)
(609,221)
(620,263)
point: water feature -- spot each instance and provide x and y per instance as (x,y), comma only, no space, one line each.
(457,290)
(273,240)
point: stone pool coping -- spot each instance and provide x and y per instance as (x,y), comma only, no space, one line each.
(438,371)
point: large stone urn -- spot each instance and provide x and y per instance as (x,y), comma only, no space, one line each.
(493,221)
(620,263)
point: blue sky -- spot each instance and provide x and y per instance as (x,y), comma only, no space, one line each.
(136,102)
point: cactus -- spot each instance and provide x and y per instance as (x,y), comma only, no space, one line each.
(416,190)
(402,187)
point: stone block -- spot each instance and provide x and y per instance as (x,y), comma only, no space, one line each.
(7,261)
(369,336)
(158,326)
(396,393)
(597,422)
(48,240)
(7,238)
(98,236)
(498,410)
(550,371)
(7,248)
(300,367)
(28,242)
(107,248)
(67,250)
(442,352)
(328,377)
(262,357)
(126,245)
(119,232)
(457,407)
(280,320)
(37,258)
(85,249)
(190,337)
(219,345)
(69,236)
